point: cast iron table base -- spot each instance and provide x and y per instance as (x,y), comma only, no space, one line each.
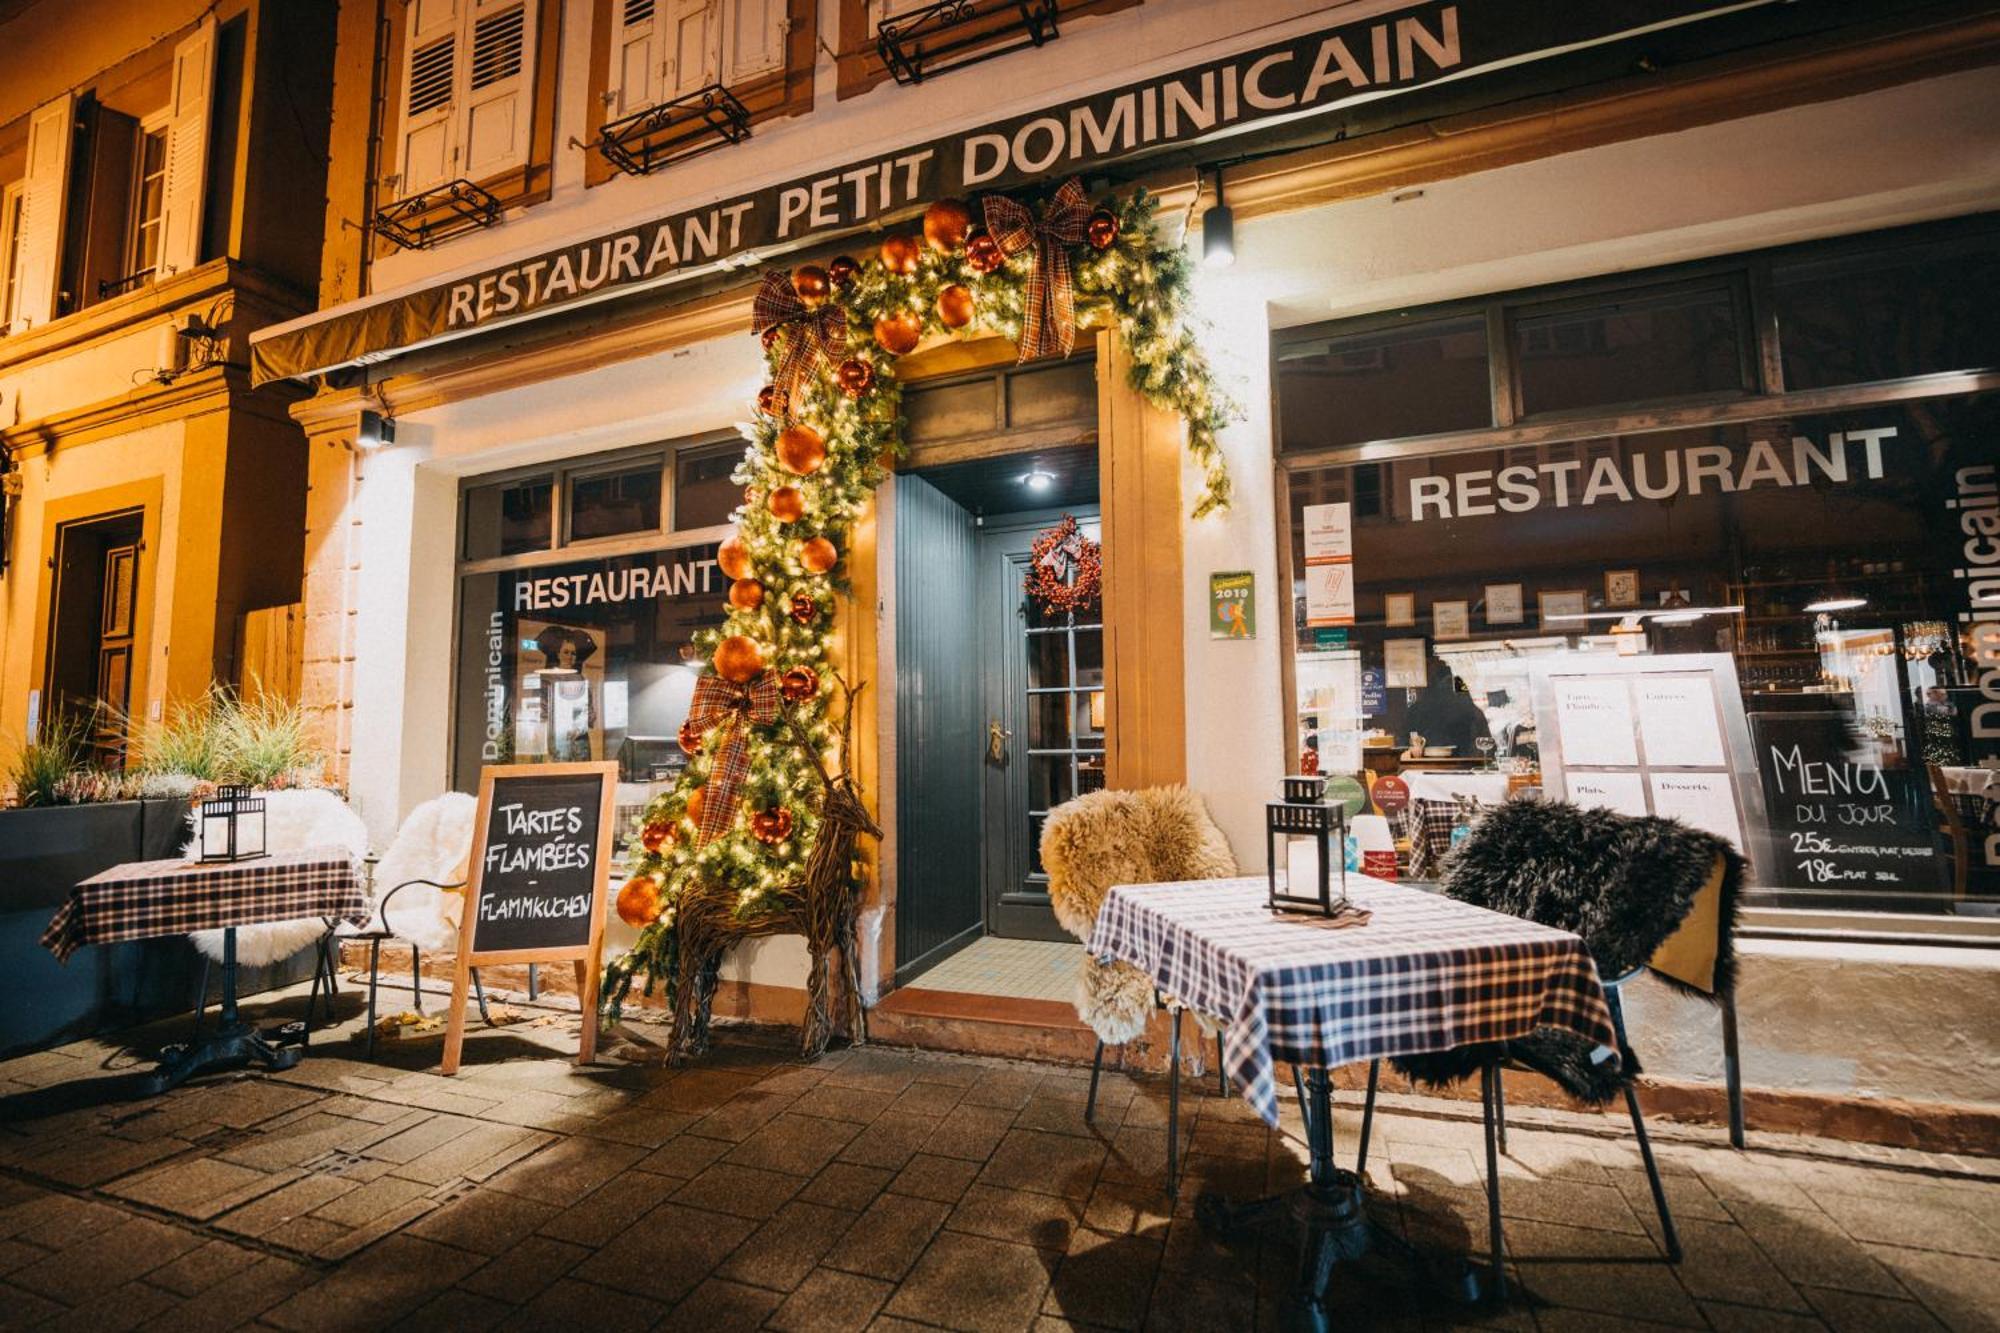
(1333,1223)
(232,1045)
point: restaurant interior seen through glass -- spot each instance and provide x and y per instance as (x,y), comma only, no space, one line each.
(1719,541)
(581,588)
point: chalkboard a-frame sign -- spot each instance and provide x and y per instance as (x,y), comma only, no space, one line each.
(541,857)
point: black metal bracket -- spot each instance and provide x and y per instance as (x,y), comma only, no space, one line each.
(438,214)
(659,136)
(952,34)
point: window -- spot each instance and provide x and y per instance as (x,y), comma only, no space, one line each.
(10,254)
(580,645)
(149,186)
(1780,605)
(467,91)
(1417,378)
(665,49)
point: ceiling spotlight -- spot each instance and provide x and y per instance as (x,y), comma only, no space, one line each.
(1218,232)
(1038,478)
(1836,604)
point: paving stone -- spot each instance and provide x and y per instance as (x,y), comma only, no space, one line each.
(742,1115)
(1811,1250)
(484,1221)
(1009,1089)
(940,1178)
(684,1157)
(1855,1312)
(891,1140)
(1726,1318)
(974,1282)
(876,1070)
(699,1091)
(1024,1217)
(471,1153)
(667,1253)
(847,1185)
(718,1306)
(830,1302)
(609,1210)
(237,1299)
(1963,1291)
(1195,1304)
(1887,1219)
(20,1308)
(454,1311)
(570,1304)
(199,1187)
(1721,1262)
(118,1254)
(369,1201)
(96,1162)
(788,1246)
(18,1254)
(202,1267)
(1051,1163)
(639,1126)
(525,1269)
(743,1190)
(1120,1206)
(269,1211)
(860,1105)
(886,1239)
(927,1099)
(1646,1290)
(798,1144)
(54,1221)
(115,1309)
(1104,1280)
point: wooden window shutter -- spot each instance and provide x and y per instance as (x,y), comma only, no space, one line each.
(499,87)
(186,181)
(753,39)
(51,135)
(634,82)
(428,152)
(691,36)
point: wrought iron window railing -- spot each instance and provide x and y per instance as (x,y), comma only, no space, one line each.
(692,124)
(438,214)
(952,34)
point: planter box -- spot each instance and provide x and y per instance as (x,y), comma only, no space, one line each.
(44,852)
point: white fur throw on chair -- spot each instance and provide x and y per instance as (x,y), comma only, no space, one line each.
(1156,835)
(434,843)
(293,821)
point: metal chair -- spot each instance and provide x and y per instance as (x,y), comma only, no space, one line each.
(376,932)
(1173,1091)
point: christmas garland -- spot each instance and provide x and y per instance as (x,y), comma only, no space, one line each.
(741,822)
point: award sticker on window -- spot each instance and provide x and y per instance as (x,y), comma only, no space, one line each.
(1232,605)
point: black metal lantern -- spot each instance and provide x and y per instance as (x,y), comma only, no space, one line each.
(230,825)
(1305,848)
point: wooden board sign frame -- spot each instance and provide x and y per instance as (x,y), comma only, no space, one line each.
(587,957)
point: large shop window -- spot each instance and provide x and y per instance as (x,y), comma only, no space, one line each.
(582,648)
(1783,627)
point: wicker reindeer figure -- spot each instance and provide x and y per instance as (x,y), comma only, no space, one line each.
(824,907)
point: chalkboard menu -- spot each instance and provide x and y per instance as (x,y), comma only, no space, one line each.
(541,856)
(539,863)
(1838,818)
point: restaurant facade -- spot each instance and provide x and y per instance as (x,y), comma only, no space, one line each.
(1615,412)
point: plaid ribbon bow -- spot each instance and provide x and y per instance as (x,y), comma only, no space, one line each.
(808,334)
(1048,325)
(720,703)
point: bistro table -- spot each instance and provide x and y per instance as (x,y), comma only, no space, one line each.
(141,899)
(1408,972)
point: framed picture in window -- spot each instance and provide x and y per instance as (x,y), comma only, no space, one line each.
(1621,587)
(1399,609)
(1563,610)
(1503,604)
(1451,620)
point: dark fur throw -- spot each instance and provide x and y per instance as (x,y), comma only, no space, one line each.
(1623,884)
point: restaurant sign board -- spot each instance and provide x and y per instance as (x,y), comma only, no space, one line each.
(1384,53)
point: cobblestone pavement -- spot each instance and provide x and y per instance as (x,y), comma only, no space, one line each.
(885,1189)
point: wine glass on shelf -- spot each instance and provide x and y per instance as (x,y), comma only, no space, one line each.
(1484,745)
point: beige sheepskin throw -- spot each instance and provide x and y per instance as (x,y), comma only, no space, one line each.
(434,843)
(293,821)
(1157,835)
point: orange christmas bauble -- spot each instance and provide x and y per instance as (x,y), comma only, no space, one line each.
(746,594)
(769,337)
(771,826)
(946,224)
(1102,229)
(842,269)
(954,307)
(733,557)
(855,377)
(898,333)
(801,449)
(805,609)
(697,802)
(738,659)
(812,283)
(818,555)
(799,683)
(690,738)
(900,254)
(984,253)
(656,835)
(639,901)
(771,400)
(787,504)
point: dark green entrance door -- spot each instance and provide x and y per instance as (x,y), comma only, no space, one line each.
(1042,677)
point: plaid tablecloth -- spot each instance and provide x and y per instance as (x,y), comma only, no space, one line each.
(1428,825)
(146,898)
(1426,973)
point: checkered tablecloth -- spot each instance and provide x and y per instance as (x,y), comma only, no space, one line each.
(1428,826)
(1426,973)
(146,898)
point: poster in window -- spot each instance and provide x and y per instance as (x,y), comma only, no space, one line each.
(1329,532)
(1330,593)
(1678,722)
(1403,663)
(1594,722)
(1503,604)
(1399,609)
(561,671)
(1451,620)
(1621,587)
(1622,792)
(1705,800)
(1563,610)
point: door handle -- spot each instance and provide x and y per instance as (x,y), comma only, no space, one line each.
(996,743)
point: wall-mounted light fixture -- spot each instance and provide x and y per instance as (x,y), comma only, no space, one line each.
(375,430)
(1218,231)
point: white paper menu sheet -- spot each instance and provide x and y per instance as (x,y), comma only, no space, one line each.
(1594,722)
(1679,723)
(1330,594)
(1403,664)
(1329,531)
(1622,792)
(1705,800)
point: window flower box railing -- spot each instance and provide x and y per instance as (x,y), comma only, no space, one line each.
(659,136)
(437,214)
(953,34)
